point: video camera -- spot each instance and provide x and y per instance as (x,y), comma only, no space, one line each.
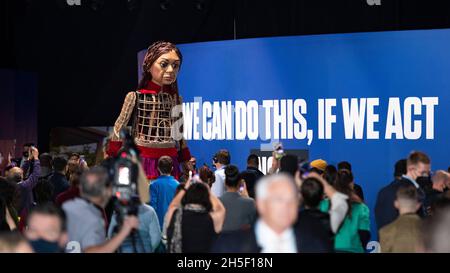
(126,173)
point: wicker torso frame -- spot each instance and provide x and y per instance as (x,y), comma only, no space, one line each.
(151,116)
(152,124)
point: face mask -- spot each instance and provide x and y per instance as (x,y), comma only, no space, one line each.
(424,182)
(43,246)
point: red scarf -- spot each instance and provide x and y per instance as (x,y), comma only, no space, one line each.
(153,88)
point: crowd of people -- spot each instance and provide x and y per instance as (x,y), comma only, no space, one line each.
(56,203)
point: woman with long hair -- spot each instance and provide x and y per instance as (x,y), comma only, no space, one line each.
(354,232)
(196,217)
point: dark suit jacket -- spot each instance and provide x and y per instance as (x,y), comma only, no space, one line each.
(241,241)
(244,241)
(251,176)
(314,230)
(385,212)
(60,184)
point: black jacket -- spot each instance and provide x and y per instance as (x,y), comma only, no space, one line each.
(314,230)
(241,241)
(59,182)
(385,212)
(310,234)
(251,176)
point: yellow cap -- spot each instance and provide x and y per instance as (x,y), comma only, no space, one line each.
(319,164)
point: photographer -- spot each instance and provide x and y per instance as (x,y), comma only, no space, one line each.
(196,217)
(148,236)
(85,220)
(25,156)
(241,210)
(26,186)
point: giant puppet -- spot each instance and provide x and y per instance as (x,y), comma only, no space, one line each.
(150,110)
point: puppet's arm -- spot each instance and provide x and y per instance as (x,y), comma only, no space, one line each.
(125,114)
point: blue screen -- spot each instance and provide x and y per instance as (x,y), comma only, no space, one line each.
(368,98)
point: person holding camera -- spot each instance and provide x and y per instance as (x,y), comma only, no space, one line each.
(27,185)
(195,217)
(147,237)
(25,155)
(241,210)
(85,215)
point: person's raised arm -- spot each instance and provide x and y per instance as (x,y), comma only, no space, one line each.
(338,207)
(244,192)
(129,223)
(143,184)
(327,188)
(33,179)
(275,164)
(176,202)
(26,162)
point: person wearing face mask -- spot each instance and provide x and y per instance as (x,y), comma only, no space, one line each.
(417,167)
(46,229)
(86,221)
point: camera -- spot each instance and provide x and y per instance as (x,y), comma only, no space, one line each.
(279,151)
(125,182)
(194,178)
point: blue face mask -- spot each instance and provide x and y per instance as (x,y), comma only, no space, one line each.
(43,246)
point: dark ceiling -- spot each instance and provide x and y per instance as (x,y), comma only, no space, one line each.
(85,56)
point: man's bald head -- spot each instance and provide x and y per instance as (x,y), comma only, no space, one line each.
(94,182)
(15,174)
(441,180)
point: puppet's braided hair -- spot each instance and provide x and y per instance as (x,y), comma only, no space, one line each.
(154,51)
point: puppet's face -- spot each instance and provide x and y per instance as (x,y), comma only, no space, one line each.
(165,69)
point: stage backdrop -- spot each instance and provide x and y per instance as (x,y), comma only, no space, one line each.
(368,98)
(18,111)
